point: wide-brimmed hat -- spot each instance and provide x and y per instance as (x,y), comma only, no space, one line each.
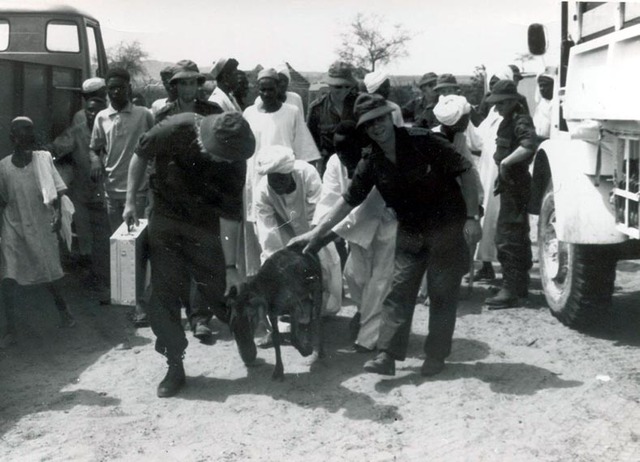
(228,136)
(503,90)
(369,106)
(186,69)
(428,78)
(340,74)
(446,81)
(223,64)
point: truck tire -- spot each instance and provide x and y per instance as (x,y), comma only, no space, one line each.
(577,279)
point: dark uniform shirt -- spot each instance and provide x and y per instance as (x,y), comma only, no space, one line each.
(188,184)
(420,111)
(421,186)
(323,120)
(204,108)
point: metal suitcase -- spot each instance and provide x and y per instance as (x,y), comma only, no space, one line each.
(128,251)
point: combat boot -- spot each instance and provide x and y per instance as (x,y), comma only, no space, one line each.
(382,364)
(505,298)
(174,380)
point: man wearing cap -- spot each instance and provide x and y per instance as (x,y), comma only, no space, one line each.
(416,173)
(224,73)
(200,169)
(95,87)
(90,217)
(286,198)
(447,84)
(272,123)
(420,110)
(165,77)
(378,82)
(284,96)
(186,80)
(515,145)
(330,109)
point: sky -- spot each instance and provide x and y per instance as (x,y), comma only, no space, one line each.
(450,35)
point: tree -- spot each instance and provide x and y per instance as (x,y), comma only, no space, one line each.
(129,56)
(367,42)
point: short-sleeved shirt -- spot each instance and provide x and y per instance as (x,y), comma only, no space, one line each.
(513,132)
(421,186)
(117,133)
(188,184)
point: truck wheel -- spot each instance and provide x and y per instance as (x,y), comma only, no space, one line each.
(577,280)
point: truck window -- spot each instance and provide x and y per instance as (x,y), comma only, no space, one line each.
(597,19)
(4,34)
(93,50)
(62,37)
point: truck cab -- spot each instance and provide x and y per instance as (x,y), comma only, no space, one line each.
(586,174)
(46,52)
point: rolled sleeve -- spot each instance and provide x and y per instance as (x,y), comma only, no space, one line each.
(362,183)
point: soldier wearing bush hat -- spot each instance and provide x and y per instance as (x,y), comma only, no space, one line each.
(447,84)
(185,82)
(334,107)
(515,146)
(200,170)
(416,173)
(420,110)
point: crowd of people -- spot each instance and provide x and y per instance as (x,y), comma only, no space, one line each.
(225,184)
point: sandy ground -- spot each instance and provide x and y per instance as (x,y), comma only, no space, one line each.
(519,386)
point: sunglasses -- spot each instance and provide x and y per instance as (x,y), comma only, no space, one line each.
(341,87)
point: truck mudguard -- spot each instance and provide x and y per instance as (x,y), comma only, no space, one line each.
(583,211)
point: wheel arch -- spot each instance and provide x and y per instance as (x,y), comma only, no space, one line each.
(583,212)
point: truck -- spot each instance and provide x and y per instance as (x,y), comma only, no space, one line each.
(46,52)
(585,176)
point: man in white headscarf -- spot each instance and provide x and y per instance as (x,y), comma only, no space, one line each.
(452,111)
(542,114)
(286,198)
(379,82)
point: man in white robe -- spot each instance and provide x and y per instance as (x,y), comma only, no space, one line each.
(272,123)
(286,198)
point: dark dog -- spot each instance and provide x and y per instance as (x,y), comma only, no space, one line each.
(289,283)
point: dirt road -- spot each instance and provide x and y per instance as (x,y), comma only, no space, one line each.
(519,386)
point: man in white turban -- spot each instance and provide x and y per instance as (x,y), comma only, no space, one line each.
(452,111)
(378,82)
(285,200)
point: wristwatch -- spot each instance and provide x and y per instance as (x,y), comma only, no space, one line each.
(473,217)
